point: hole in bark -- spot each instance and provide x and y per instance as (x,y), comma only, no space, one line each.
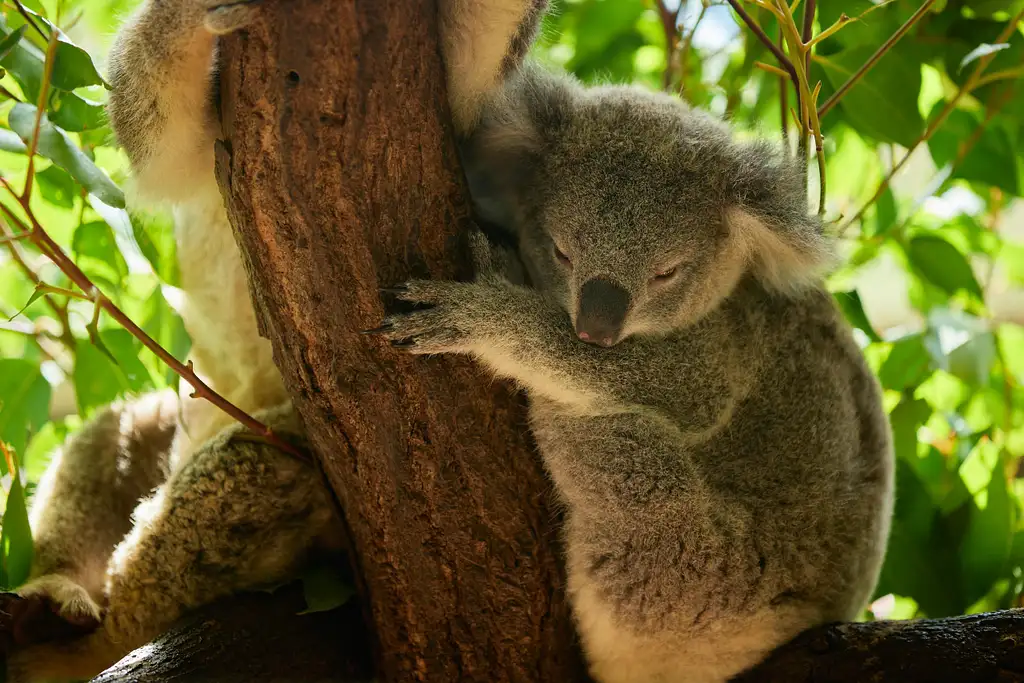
(293,77)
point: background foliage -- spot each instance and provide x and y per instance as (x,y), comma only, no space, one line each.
(932,275)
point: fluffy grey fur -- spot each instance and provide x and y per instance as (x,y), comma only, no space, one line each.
(721,449)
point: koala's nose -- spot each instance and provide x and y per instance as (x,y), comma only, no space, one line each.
(602,312)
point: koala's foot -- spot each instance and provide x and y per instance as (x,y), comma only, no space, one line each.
(226,17)
(69,600)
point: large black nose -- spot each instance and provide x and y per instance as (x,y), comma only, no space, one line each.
(602,312)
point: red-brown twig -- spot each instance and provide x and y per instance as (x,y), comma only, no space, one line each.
(53,251)
(968,85)
(780,56)
(873,59)
(670,27)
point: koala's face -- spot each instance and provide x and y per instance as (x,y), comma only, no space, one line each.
(637,213)
(628,229)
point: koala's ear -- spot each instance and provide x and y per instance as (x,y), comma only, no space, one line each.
(769,220)
(504,153)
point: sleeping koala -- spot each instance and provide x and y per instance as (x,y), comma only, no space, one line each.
(708,420)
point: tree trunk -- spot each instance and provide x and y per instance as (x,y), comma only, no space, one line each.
(340,176)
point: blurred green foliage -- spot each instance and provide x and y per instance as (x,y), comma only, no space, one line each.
(929,280)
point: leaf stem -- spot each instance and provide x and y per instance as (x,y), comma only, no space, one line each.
(780,56)
(873,59)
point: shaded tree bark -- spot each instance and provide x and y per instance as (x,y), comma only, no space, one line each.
(340,176)
(255,638)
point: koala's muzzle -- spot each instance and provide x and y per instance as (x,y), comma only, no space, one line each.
(602,312)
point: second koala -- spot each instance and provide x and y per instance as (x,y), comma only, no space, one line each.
(700,403)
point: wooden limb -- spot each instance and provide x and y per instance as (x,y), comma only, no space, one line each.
(254,638)
(340,177)
(980,648)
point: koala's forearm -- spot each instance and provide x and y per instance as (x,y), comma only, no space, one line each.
(161,102)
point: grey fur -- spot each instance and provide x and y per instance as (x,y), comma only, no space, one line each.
(726,465)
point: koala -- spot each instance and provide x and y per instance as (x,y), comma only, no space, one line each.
(159,505)
(703,410)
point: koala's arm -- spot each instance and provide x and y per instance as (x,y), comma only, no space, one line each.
(82,507)
(162,67)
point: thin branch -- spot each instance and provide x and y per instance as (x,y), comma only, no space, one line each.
(780,56)
(784,100)
(33,144)
(29,20)
(50,248)
(669,25)
(805,39)
(873,59)
(684,54)
(968,85)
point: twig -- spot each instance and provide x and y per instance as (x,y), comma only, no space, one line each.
(29,20)
(33,144)
(968,85)
(780,56)
(873,59)
(784,100)
(684,54)
(669,25)
(50,248)
(805,38)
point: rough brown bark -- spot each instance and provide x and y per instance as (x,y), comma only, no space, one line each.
(254,638)
(340,177)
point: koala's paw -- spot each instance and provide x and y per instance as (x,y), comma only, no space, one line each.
(493,262)
(445,327)
(227,17)
(50,608)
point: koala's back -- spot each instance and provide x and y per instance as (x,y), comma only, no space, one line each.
(793,506)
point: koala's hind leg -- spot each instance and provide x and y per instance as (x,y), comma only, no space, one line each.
(237,515)
(82,507)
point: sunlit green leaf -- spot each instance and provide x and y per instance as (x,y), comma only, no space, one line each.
(56,186)
(16,538)
(989,538)
(853,309)
(56,146)
(24,401)
(907,365)
(941,264)
(98,380)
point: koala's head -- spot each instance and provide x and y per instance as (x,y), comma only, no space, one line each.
(637,213)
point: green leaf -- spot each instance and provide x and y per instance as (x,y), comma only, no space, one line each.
(325,588)
(72,66)
(24,401)
(16,538)
(95,241)
(990,158)
(907,364)
(57,187)
(906,418)
(989,537)
(163,324)
(853,309)
(942,264)
(56,146)
(961,344)
(10,142)
(883,103)
(885,212)
(67,110)
(98,380)
(8,43)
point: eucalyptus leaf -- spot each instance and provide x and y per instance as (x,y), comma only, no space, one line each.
(24,401)
(55,145)
(942,264)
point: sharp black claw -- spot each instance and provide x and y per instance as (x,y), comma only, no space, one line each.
(403,344)
(397,289)
(385,327)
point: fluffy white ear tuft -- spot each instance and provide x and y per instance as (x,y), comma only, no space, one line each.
(784,258)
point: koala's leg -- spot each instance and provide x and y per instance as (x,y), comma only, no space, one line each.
(237,515)
(82,507)
(161,71)
(483,40)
